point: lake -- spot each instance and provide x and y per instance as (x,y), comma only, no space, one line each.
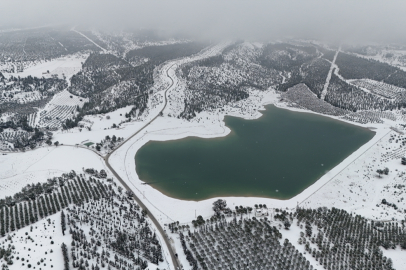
(276,156)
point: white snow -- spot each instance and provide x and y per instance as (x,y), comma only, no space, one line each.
(67,65)
(65,98)
(343,187)
(398,257)
(333,66)
(36,244)
(293,235)
(20,169)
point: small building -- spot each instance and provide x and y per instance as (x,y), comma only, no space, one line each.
(261,212)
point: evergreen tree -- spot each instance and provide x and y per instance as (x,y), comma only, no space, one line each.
(12,226)
(32,220)
(26,219)
(7,218)
(35,210)
(44,207)
(63,222)
(56,202)
(2,223)
(17,217)
(50,203)
(39,205)
(65,256)
(308,229)
(65,193)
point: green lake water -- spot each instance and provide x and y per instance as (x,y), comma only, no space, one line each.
(276,156)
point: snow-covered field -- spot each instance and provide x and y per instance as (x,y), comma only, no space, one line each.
(20,169)
(353,185)
(39,247)
(398,257)
(67,65)
(61,107)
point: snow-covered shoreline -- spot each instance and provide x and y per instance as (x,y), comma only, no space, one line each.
(204,125)
(31,166)
(169,209)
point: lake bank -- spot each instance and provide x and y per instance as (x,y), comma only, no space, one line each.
(254,160)
(210,124)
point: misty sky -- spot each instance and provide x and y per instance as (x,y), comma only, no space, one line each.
(353,20)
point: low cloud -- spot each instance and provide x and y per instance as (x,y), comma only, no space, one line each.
(358,21)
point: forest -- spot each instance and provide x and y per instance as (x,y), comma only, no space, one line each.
(223,79)
(41,44)
(112,83)
(335,238)
(160,54)
(353,67)
(107,228)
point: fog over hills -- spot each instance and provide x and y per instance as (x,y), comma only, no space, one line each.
(328,20)
(202,135)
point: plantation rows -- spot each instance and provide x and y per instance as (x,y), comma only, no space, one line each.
(15,215)
(301,95)
(243,244)
(340,240)
(13,136)
(335,238)
(19,96)
(396,154)
(31,119)
(22,110)
(380,88)
(39,46)
(343,95)
(118,226)
(365,117)
(97,215)
(402,116)
(56,116)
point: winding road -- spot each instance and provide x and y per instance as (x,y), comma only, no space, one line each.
(175,261)
(204,54)
(153,219)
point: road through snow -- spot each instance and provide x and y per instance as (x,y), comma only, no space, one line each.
(168,75)
(169,68)
(153,219)
(333,66)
